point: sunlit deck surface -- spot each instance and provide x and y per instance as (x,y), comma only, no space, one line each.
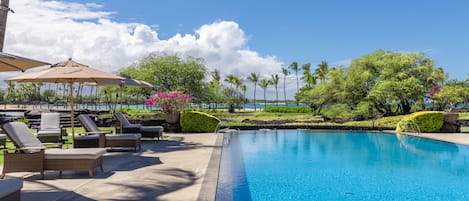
(171,169)
(458,138)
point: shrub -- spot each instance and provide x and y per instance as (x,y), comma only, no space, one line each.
(286,109)
(337,112)
(428,121)
(198,122)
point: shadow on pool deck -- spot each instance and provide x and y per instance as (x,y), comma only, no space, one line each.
(170,169)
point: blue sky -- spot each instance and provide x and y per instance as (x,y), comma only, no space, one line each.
(238,37)
(310,31)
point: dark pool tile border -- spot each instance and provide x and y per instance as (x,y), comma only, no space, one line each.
(208,190)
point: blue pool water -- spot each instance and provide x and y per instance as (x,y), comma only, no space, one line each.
(340,165)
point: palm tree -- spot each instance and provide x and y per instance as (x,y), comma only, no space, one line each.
(264,84)
(231,79)
(307,74)
(274,82)
(254,78)
(322,70)
(215,78)
(238,82)
(310,80)
(294,67)
(306,68)
(285,74)
(244,88)
(215,85)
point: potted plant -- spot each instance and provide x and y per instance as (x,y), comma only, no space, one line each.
(171,103)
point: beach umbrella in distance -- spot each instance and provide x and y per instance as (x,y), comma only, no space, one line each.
(10,62)
(128,81)
(67,72)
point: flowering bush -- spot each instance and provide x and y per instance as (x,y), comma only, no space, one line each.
(171,102)
(435,89)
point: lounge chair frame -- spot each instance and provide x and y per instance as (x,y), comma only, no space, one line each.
(17,160)
(127,127)
(92,128)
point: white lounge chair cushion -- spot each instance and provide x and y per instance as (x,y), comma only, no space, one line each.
(9,186)
(49,132)
(81,153)
(127,136)
(50,120)
(55,131)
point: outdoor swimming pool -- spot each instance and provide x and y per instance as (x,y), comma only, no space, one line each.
(340,165)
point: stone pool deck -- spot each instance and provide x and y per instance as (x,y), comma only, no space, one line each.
(458,138)
(170,169)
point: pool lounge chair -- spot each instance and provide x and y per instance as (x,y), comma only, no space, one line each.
(111,140)
(30,154)
(127,127)
(10,189)
(50,130)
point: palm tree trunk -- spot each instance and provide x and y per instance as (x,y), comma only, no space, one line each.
(285,90)
(297,86)
(255,96)
(265,100)
(276,95)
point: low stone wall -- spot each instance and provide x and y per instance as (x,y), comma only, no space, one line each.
(266,126)
(464,123)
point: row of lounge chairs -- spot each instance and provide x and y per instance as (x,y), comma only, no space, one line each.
(30,154)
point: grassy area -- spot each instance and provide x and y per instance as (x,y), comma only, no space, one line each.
(464,115)
(236,119)
(381,122)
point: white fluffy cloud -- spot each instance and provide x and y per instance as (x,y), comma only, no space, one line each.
(53,31)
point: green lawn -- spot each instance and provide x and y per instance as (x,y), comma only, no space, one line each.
(464,115)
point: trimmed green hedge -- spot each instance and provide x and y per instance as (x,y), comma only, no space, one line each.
(428,121)
(198,122)
(286,109)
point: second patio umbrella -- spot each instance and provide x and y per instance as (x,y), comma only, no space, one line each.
(128,81)
(10,62)
(67,72)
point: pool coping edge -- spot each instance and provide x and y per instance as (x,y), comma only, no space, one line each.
(208,190)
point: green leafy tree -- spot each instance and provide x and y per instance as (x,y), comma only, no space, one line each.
(215,88)
(329,92)
(254,78)
(171,73)
(452,94)
(386,78)
(48,94)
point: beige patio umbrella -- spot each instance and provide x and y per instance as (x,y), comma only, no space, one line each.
(10,62)
(67,72)
(128,81)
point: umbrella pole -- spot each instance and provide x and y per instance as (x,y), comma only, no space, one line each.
(71,110)
(122,89)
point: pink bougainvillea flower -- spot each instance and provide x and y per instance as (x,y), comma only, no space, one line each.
(149,101)
(171,102)
(436,88)
(431,94)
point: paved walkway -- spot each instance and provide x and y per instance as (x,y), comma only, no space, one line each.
(458,138)
(171,169)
